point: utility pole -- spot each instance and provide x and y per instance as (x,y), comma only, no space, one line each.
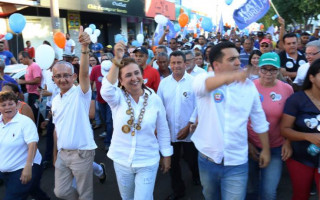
(54,12)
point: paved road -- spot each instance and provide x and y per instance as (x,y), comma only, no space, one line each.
(109,190)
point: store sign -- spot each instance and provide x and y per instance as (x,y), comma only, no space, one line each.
(73,20)
(163,7)
(121,7)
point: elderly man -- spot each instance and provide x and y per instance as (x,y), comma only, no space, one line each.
(192,68)
(312,54)
(74,145)
(163,63)
(266,46)
(246,51)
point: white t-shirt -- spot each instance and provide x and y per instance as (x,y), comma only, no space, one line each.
(70,114)
(301,74)
(67,49)
(14,139)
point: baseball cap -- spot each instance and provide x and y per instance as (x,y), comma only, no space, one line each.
(197,46)
(109,46)
(188,44)
(270,58)
(260,34)
(265,40)
(141,49)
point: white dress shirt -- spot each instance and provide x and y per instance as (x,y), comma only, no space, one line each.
(301,74)
(51,86)
(179,101)
(14,139)
(70,114)
(197,70)
(142,149)
(223,115)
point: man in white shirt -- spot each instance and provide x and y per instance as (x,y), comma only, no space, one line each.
(74,145)
(312,54)
(225,101)
(69,49)
(178,98)
(191,66)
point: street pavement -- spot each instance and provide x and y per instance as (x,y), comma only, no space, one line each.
(109,190)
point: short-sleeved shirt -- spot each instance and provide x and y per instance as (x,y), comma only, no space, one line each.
(97,77)
(7,79)
(272,100)
(301,74)
(307,120)
(70,114)
(289,63)
(33,71)
(14,139)
(151,77)
(69,44)
(6,57)
(30,51)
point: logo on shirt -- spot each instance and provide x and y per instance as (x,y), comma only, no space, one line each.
(311,123)
(145,81)
(261,97)
(275,97)
(218,96)
(301,62)
(289,64)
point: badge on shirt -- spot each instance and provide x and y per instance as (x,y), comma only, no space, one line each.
(301,62)
(275,97)
(145,81)
(218,96)
(261,97)
(311,123)
(289,64)
(186,94)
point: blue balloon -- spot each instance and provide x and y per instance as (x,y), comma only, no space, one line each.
(135,43)
(228,2)
(17,22)
(92,26)
(207,24)
(177,27)
(8,36)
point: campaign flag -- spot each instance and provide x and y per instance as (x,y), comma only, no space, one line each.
(221,29)
(251,11)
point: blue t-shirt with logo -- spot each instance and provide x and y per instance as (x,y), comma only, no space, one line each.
(6,57)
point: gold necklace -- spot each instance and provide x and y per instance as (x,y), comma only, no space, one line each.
(131,126)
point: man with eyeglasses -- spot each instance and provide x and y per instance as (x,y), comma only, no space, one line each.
(265,45)
(291,58)
(312,54)
(74,145)
(191,66)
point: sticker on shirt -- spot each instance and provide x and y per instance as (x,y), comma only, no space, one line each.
(301,62)
(275,97)
(145,81)
(218,96)
(289,64)
(261,97)
(311,123)
(100,78)
(186,94)
(318,117)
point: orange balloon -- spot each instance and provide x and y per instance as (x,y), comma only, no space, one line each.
(261,27)
(181,10)
(154,49)
(195,35)
(198,25)
(183,19)
(59,39)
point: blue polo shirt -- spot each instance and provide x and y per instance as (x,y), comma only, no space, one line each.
(6,57)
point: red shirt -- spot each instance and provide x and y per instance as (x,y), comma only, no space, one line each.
(151,77)
(30,50)
(97,77)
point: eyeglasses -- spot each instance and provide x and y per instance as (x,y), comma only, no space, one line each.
(172,43)
(92,60)
(311,54)
(188,60)
(265,71)
(65,76)
(264,45)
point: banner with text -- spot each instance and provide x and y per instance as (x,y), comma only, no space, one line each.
(251,11)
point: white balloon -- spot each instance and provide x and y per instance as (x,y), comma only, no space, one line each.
(44,56)
(93,38)
(97,32)
(140,38)
(105,67)
(88,30)
(160,19)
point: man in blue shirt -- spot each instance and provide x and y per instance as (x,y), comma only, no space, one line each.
(4,78)
(6,56)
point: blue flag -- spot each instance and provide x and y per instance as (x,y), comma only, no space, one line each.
(221,29)
(251,11)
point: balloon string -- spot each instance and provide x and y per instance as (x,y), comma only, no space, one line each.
(17,46)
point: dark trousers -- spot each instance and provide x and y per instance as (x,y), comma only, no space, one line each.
(32,98)
(15,190)
(49,139)
(190,155)
(106,115)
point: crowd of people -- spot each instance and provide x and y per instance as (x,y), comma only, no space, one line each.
(236,108)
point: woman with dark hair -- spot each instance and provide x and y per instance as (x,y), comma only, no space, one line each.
(19,158)
(301,125)
(24,108)
(137,113)
(253,67)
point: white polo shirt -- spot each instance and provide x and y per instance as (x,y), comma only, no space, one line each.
(223,116)
(179,101)
(301,74)
(70,114)
(14,139)
(142,149)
